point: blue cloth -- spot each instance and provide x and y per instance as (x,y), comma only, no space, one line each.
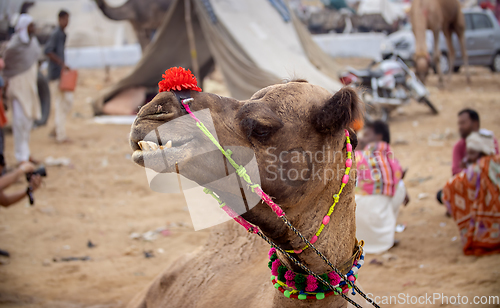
(2,83)
(55,44)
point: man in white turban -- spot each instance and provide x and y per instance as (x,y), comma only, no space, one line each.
(479,145)
(21,69)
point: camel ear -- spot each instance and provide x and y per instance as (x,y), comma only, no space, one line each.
(338,112)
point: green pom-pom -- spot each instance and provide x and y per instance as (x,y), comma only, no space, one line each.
(339,290)
(287,293)
(321,285)
(320,295)
(300,282)
(277,285)
(270,265)
(281,273)
(273,277)
(302,296)
(274,256)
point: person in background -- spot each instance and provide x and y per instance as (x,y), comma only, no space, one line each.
(468,122)
(380,190)
(10,178)
(473,197)
(21,69)
(63,101)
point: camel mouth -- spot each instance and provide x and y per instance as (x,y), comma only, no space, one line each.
(150,154)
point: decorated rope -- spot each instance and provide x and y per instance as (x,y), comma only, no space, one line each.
(182,79)
(296,285)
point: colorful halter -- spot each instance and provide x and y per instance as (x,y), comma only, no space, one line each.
(296,285)
(178,79)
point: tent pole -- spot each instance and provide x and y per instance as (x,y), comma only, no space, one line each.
(191,38)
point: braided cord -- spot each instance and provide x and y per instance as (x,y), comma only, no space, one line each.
(240,170)
(322,256)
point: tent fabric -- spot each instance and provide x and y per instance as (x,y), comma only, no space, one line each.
(248,40)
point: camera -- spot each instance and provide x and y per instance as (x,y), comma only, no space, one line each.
(40,171)
(29,191)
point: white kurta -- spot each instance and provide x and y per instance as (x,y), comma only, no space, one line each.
(376,219)
(22,93)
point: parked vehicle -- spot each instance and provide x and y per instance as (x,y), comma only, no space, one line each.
(482,36)
(386,86)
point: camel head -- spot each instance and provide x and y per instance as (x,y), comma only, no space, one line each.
(291,128)
(422,63)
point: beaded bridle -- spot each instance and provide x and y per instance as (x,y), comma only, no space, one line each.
(241,172)
(182,81)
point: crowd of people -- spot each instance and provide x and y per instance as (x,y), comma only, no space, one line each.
(19,69)
(471,196)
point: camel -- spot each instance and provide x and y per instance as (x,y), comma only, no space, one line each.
(231,270)
(144,15)
(437,15)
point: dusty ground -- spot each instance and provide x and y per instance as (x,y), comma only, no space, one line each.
(103,197)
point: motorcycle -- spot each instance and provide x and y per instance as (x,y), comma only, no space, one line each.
(385,88)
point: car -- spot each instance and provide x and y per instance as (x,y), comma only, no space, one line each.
(482,36)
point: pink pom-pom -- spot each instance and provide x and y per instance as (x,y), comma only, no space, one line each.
(326,220)
(334,278)
(314,239)
(274,267)
(346,133)
(298,251)
(311,284)
(349,147)
(345,179)
(289,275)
(272,251)
(290,283)
(345,290)
(348,163)
(351,278)
(355,262)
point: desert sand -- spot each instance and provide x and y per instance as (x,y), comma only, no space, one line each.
(103,197)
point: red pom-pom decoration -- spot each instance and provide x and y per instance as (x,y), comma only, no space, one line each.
(178,79)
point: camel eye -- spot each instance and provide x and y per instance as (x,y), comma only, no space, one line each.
(261,131)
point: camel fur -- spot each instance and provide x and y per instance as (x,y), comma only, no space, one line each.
(231,269)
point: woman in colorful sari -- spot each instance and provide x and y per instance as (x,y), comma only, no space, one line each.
(379,189)
(473,197)
(21,69)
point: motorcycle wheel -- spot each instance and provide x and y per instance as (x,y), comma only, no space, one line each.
(426,101)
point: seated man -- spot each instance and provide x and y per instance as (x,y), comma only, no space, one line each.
(379,189)
(468,122)
(472,197)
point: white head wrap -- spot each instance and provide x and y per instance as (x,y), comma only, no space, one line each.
(481,143)
(22,27)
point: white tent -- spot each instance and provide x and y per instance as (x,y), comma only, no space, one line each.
(255,43)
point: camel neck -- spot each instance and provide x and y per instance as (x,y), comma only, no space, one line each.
(337,242)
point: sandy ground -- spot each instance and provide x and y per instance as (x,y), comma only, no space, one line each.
(103,197)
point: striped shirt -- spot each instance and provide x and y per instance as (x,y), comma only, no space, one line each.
(378,171)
